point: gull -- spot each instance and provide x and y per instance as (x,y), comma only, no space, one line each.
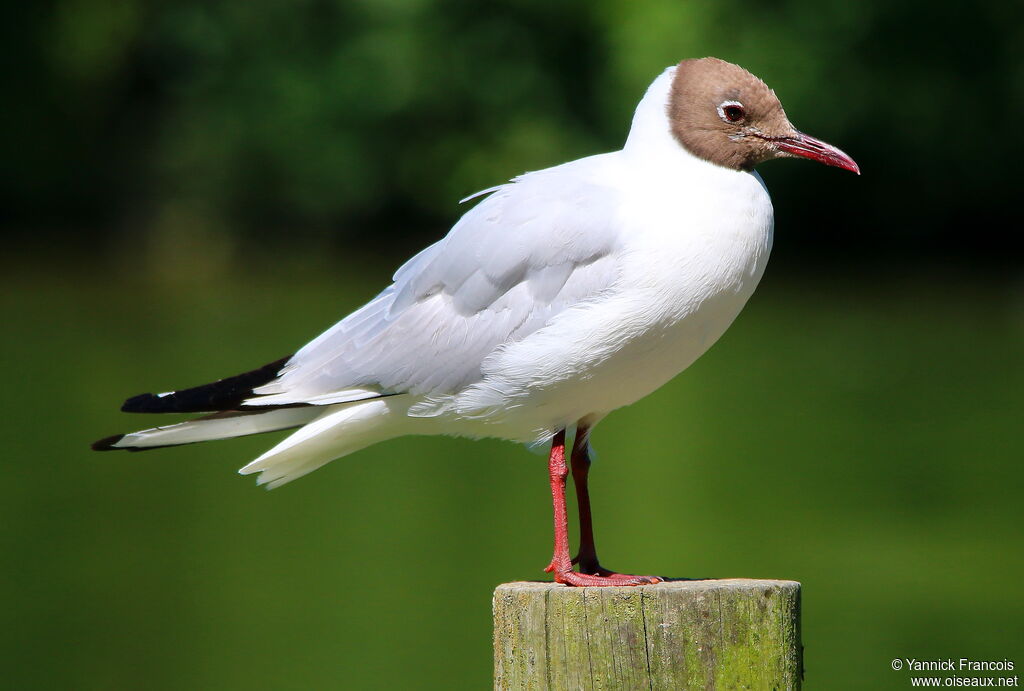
(559,297)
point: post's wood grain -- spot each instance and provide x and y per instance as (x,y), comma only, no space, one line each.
(711,634)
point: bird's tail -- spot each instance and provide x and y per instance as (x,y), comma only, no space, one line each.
(222,425)
(328,431)
(338,431)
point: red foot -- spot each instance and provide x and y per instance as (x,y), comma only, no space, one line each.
(582,579)
(590,566)
(601,577)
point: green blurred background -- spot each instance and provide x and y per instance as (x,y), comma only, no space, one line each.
(192,189)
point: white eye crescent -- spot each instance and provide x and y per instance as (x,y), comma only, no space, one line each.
(732,111)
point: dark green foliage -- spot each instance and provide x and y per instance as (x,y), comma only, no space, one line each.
(344,122)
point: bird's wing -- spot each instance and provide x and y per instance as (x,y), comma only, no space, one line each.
(532,249)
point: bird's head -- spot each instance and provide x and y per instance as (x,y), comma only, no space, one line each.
(723,114)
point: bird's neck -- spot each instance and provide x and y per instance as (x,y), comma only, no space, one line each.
(650,137)
(651,144)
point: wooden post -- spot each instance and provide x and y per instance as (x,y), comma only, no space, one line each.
(714,634)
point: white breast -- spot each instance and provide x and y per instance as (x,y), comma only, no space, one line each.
(693,248)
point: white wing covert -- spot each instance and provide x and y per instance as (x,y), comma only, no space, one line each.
(530,250)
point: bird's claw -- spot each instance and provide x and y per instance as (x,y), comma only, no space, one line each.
(612,579)
(596,575)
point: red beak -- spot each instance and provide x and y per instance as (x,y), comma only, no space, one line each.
(806,146)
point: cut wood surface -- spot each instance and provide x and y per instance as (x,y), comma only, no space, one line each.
(707,634)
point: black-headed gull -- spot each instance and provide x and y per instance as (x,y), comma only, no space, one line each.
(561,296)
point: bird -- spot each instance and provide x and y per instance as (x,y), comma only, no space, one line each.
(557,298)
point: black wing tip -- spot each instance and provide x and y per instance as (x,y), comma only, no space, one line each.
(107,443)
(143,403)
(223,394)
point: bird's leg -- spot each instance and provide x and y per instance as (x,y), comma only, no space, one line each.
(586,558)
(561,563)
(557,471)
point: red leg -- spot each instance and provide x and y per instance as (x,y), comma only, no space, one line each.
(561,563)
(587,556)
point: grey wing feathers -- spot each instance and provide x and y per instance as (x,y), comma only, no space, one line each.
(521,256)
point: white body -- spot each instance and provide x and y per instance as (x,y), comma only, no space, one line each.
(563,295)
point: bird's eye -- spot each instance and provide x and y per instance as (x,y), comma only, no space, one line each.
(731,111)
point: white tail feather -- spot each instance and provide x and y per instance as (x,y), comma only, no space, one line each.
(208,429)
(338,431)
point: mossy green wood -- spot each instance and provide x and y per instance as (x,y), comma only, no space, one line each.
(713,634)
